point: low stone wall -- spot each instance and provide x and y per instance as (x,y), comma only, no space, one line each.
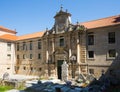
(15,84)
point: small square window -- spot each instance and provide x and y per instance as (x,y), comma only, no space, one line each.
(9,56)
(90,54)
(91,71)
(112,53)
(40,69)
(16,67)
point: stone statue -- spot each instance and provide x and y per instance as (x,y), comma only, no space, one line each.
(64,71)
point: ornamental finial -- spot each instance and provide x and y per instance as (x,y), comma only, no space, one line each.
(61,7)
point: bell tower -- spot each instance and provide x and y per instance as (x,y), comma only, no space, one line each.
(62,20)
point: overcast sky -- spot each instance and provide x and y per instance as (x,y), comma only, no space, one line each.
(29,16)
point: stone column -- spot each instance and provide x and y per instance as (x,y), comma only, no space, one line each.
(78,53)
(69,53)
(53,45)
(47,56)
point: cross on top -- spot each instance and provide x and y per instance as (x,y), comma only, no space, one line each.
(61,7)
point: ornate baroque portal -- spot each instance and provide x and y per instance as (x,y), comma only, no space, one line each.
(60,56)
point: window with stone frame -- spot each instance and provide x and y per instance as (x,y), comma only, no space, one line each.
(91,71)
(8,56)
(31,45)
(90,38)
(112,53)
(31,56)
(40,69)
(24,68)
(31,68)
(24,46)
(16,68)
(111,37)
(91,54)
(39,56)
(61,41)
(18,47)
(18,57)
(8,46)
(39,44)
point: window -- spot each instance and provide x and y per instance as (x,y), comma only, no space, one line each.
(17,56)
(24,68)
(39,44)
(17,46)
(8,68)
(9,56)
(40,69)
(61,41)
(91,71)
(16,67)
(31,56)
(90,54)
(24,56)
(90,39)
(30,45)
(39,56)
(24,46)
(111,37)
(31,68)
(8,46)
(112,53)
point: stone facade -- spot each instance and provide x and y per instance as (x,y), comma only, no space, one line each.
(29,57)
(90,46)
(7,57)
(101,47)
(94,45)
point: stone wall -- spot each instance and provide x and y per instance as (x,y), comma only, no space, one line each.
(7,64)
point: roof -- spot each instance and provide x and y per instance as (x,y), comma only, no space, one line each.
(15,38)
(7,30)
(33,35)
(113,20)
(8,37)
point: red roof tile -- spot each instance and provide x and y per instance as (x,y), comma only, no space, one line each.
(7,30)
(114,20)
(8,37)
(28,36)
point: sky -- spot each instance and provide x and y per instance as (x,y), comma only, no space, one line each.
(29,16)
